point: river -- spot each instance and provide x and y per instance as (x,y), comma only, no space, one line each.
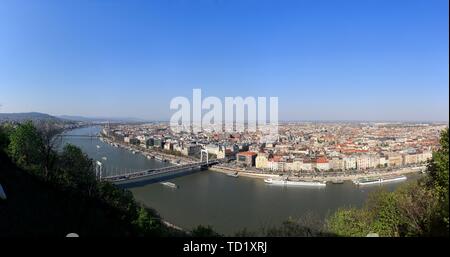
(226,203)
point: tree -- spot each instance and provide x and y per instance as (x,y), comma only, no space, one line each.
(417,206)
(48,133)
(76,170)
(420,208)
(350,222)
(118,198)
(148,224)
(25,145)
(385,214)
(4,138)
(438,168)
(204,231)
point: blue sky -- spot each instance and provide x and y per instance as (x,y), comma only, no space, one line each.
(324,59)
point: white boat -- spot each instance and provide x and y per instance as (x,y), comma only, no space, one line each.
(98,146)
(234,174)
(373,181)
(169,184)
(286,182)
(104,158)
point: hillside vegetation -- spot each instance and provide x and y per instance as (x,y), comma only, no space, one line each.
(53,193)
(416,209)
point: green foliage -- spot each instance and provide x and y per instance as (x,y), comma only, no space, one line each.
(4,137)
(245,233)
(418,205)
(76,170)
(438,169)
(118,198)
(350,222)
(25,145)
(149,224)
(204,231)
(417,209)
(72,173)
(386,217)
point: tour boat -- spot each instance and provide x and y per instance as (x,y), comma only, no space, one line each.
(337,181)
(372,181)
(287,182)
(169,184)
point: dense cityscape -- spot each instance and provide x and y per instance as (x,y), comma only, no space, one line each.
(301,147)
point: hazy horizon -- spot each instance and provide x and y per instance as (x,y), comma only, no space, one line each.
(137,119)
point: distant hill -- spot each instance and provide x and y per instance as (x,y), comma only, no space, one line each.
(100,119)
(43,117)
(33,116)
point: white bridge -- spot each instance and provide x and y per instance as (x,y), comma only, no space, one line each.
(147,176)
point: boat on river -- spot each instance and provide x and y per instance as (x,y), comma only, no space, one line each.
(374,181)
(337,181)
(234,174)
(169,184)
(287,182)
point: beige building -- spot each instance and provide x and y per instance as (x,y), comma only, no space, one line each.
(424,156)
(349,163)
(409,159)
(336,163)
(307,166)
(293,165)
(395,160)
(262,161)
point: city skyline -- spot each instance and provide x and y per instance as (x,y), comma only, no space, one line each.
(325,60)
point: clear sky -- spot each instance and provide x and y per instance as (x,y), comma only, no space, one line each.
(324,59)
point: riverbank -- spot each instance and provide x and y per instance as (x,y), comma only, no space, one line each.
(149,153)
(327,178)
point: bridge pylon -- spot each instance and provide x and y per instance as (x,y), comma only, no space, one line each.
(201,155)
(98,170)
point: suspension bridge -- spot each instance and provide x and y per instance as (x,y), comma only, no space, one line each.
(154,175)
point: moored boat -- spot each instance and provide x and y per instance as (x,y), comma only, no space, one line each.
(234,174)
(372,181)
(337,181)
(288,182)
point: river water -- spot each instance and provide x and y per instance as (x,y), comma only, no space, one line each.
(226,203)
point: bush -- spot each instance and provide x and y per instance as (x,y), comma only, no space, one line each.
(4,138)
(204,231)
(350,222)
(420,208)
(25,146)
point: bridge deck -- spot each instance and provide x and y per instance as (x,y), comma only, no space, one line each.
(154,172)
